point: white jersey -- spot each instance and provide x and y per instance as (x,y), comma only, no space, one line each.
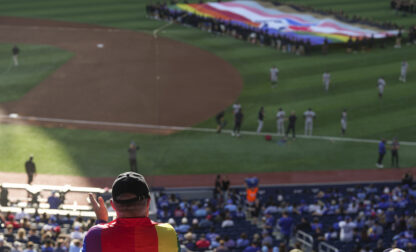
(309,115)
(381,82)
(405,65)
(326,77)
(273,73)
(344,116)
(236,108)
(281,115)
(344,120)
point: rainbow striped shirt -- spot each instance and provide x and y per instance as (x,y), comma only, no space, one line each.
(131,235)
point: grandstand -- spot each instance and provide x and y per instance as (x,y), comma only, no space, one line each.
(95,77)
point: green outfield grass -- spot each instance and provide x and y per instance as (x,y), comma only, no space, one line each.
(36,62)
(353,87)
(85,152)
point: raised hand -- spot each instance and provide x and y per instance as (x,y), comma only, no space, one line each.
(99,207)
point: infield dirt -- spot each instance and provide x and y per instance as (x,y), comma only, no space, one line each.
(134,78)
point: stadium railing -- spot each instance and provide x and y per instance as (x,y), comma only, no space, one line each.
(325,247)
(305,239)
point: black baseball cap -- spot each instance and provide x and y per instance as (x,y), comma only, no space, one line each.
(130,182)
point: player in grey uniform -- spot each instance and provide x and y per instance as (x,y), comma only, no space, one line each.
(309,117)
(381,83)
(280,117)
(15,52)
(326,79)
(403,71)
(344,122)
(274,76)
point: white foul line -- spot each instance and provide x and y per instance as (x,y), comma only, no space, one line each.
(182,128)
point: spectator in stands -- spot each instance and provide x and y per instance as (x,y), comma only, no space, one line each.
(228,242)
(12,222)
(33,236)
(347,230)
(269,222)
(286,223)
(54,201)
(222,247)
(76,246)
(22,215)
(77,233)
(212,235)
(4,246)
(231,207)
(205,223)
(242,242)
(252,248)
(8,234)
(21,236)
(30,168)
(30,247)
(267,239)
(202,243)
(228,222)
(184,227)
(132,229)
(48,246)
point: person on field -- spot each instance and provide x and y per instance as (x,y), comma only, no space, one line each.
(326,79)
(274,76)
(344,122)
(292,125)
(238,120)
(132,230)
(381,153)
(15,52)
(260,120)
(219,118)
(30,168)
(309,118)
(132,150)
(395,145)
(236,107)
(403,71)
(381,83)
(281,116)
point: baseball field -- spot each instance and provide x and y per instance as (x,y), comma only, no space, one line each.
(102,95)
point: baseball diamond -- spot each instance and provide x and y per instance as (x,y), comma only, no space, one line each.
(130,78)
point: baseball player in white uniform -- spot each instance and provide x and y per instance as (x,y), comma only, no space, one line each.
(403,71)
(344,122)
(280,117)
(381,83)
(309,117)
(274,76)
(326,79)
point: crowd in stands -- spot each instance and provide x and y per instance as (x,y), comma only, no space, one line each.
(358,218)
(29,233)
(403,6)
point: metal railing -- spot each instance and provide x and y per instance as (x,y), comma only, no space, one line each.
(306,240)
(325,247)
